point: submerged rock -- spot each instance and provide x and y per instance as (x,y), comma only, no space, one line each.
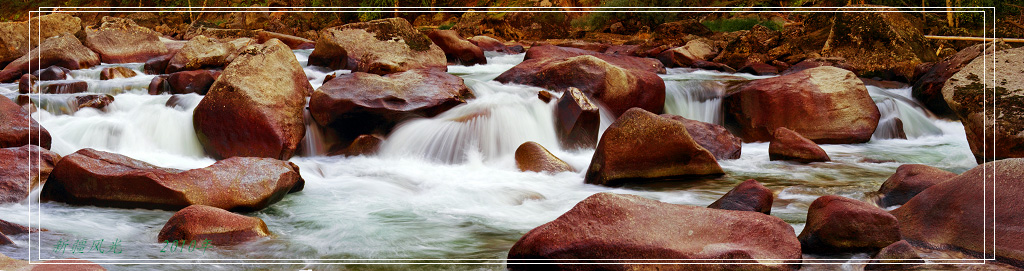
(837,224)
(17,128)
(577,120)
(713,137)
(22,169)
(255,108)
(531,156)
(641,146)
(380,46)
(908,181)
(749,195)
(791,146)
(120,40)
(615,227)
(91,177)
(198,223)
(992,134)
(64,51)
(456,49)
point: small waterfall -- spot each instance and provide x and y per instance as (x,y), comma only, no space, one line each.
(492,126)
(695,99)
(58,104)
(313,143)
(901,116)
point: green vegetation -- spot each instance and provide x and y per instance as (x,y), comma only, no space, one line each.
(446,26)
(730,25)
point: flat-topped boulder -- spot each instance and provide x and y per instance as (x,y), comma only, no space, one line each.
(15,41)
(64,50)
(625,62)
(198,223)
(120,40)
(380,46)
(202,52)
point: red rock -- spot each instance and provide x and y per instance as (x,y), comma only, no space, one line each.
(255,108)
(157,65)
(712,66)
(52,73)
(685,55)
(365,103)
(120,40)
(908,181)
(17,128)
(24,169)
(967,211)
(292,41)
(15,40)
(897,256)
(69,87)
(617,88)
(713,137)
(379,47)
(27,84)
(759,69)
(90,177)
(577,120)
(201,52)
(64,51)
(623,50)
(491,44)
(362,145)
(838,224)
(749,195)
(14,229)
(456,49)
(790,146)
(928,88)
(531,156)
(158,85)
(185,82)
(615,227)
(811,63)
(827,105)
(641,146)
(197,223)
(116,72)
(97,101)
(625,62)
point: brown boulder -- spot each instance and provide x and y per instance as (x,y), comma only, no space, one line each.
(202,52)
(897,256)
(52,73)
(64,87)
(120,40)
(612,228)
(625,62)
(198,223)
(788,145)
(456,49)
(531,156)
(255,108)
(749,195)
(825,104)
(27,84)
(157,65)
(90,177)
(928,88)
(365,103)
(491,44)
(759,69)
(979,211)
(16,42)
(685,55)
(64,51)
(184,82)
(7,227)
(642,146)
(379,46)
(908,181)
(362,145)
(991,135)
(837,224)
(116,72)
(713,137)
(810,63)
(617,88)
(17,128)
(577,120)
(97,101)
(23,169)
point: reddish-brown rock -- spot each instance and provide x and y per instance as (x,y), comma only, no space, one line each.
(615,227)
(17,128)
(364,103)
(90,177)
(201,52)
(810,63)
(14,229)
(456,49)
(52,73)
(749,195)
(713,137)
(685,55)
(27,84)
(531,156)
(617,88)
(641,146)
(362,145)
(577,120)
(255,108)
(759,69)
(491,44)
(825,104)
(157,65)
(184,82)
(198,223)
(838,224)
(897,256)
(380,46)
(790,146)
(64,51)
(970,210)
(116,72)
(23,169)
(120,40)
(908,181)
(625,62)
(97,101)
(15,40)
(66,87)
(928,88)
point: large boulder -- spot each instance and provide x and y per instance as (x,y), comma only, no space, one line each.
(64,51)
(613,228)
(825,104)
(749,195)
(457,50)
(713,137)
(625,62)
(491,44)
(641,146)
(23,169)
(928,88)
(979,211)
(837,224)
(788,145)
(577,120)
(52,73)
(18,128)
(255,108)
(908,181)
(198,223)
(15,40)
(120,40)
(531,156)
(685,55)
(202,52)
(365,103)
(992,112)
(379,46)
(618,89)
(91,177)
(184,82)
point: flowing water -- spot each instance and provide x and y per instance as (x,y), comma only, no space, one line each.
(440,188)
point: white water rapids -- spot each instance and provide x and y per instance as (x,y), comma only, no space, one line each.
(441,188)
